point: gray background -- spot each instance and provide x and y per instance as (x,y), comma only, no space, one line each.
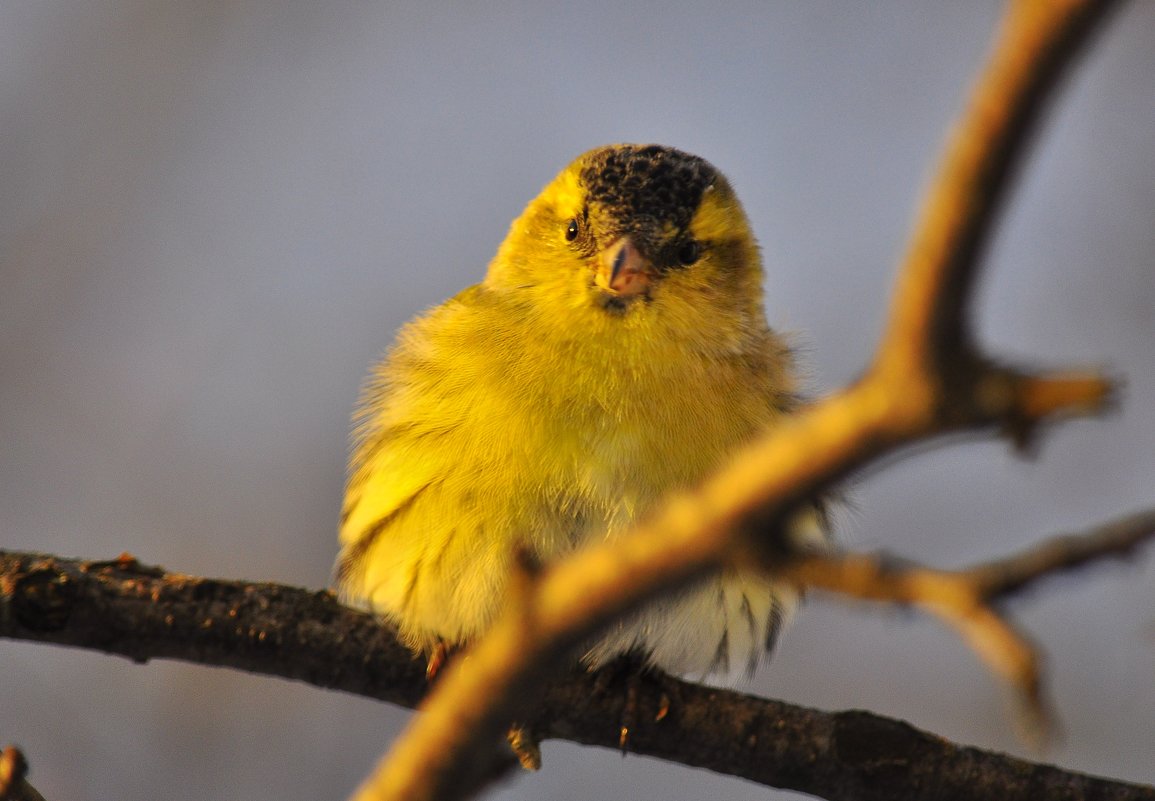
(214,215)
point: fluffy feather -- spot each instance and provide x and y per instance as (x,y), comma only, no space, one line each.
(543,409)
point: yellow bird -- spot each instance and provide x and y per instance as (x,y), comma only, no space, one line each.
(616,350)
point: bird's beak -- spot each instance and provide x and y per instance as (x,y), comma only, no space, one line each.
(623,270)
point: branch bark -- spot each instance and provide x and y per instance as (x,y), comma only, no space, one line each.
(142,613)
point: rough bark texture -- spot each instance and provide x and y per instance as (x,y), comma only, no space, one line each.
(122,607)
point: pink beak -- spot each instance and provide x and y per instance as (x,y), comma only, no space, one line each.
(623,270)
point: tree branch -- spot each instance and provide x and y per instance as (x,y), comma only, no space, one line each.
(13,784)
(969,600)
(125,608)
(1037,40)
(927,379)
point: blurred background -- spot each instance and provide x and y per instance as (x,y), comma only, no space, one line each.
(214,215)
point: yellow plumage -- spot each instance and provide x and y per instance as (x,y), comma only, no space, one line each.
(616,350)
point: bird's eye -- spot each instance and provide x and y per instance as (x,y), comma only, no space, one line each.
(571,230)
(688,253)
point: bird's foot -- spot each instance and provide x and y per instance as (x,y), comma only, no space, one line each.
(647,691)
(437,659)
(526,746)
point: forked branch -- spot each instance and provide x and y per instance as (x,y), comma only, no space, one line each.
(927,379)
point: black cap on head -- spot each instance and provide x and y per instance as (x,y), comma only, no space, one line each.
(657,182)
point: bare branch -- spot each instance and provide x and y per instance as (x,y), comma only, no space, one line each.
(1004,577)
(968,600)
(143,613)
(926,380)
(13,784)
(844,756)
(139,612)
(1036,41)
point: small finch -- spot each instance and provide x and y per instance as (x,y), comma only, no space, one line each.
(617,350)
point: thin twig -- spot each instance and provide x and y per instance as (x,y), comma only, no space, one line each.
(969,600)
(1005,577)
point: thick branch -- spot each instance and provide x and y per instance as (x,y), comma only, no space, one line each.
(843,756)
(142,613)
(125,608)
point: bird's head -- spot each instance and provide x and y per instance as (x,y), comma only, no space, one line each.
(638,236)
